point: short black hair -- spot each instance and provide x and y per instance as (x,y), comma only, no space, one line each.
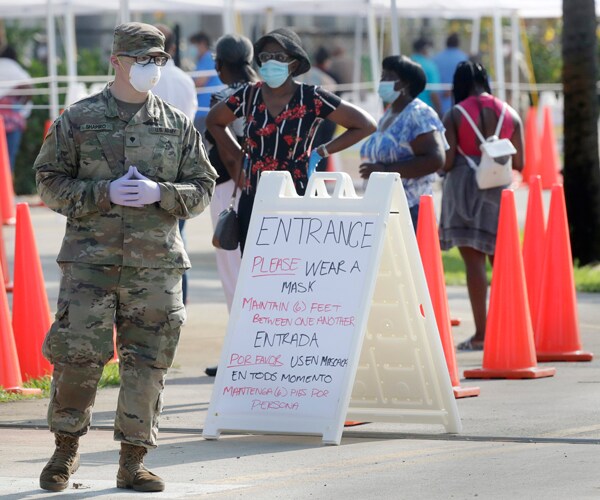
(467,76)
(420,43)
(200,38)
(321,55)
(453,40)
(407,70)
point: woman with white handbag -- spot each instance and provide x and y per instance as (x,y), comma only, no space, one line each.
(471,206)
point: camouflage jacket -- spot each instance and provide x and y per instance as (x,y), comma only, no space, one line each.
(88,146)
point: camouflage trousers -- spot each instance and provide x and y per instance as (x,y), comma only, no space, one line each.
(147,309)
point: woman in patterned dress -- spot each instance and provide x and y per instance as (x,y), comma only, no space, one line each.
(410,137)
(283,117)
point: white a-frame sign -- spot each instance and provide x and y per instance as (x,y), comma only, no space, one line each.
(319,274)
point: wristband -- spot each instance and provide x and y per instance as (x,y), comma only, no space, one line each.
(323,153)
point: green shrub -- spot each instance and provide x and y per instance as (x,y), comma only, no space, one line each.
(89,62)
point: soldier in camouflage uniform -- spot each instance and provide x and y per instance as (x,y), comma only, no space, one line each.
(123,166)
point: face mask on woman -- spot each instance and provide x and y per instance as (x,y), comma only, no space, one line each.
(387,93)
(274,73)
(144,78)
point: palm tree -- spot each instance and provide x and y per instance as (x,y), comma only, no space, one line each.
(581,165)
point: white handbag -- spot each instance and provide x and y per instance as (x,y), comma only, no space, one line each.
(495,167)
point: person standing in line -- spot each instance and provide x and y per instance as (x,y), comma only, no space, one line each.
(177,88)
(469,218)
(284,117)
(14,107)
(410,136)
(123,166)
(421,55)
(233,61)
(446,62)
(205,85)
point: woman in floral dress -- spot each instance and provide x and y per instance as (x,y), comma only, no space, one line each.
(283,117)
(410,137)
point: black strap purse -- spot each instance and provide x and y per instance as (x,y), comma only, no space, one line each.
(227,231)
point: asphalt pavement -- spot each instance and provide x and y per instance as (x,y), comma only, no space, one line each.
(521,439)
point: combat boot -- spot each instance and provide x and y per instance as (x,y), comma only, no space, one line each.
(132,473)
(64,462)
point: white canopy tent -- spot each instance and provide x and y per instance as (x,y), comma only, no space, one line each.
(68,9)
(360,9)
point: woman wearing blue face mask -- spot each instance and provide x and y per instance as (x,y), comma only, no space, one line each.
(283,117)
(410,137)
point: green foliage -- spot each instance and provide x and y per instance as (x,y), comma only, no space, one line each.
(545,49)
(454,268)
(41,383)
(587,278)
(110,377)
(90,62)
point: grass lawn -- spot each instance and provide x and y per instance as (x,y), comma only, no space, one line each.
(587,278)
(110,376)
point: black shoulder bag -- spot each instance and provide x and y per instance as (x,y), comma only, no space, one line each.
(227,231)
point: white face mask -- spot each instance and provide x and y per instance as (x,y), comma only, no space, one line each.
(387,93)
(144,78)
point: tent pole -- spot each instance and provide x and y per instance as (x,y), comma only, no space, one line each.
(374,56)
(269,20)
(51,33)
(124,11)
(356,70)
(475,35)
(228,24)
(71,50)
(498,56)
(395,28)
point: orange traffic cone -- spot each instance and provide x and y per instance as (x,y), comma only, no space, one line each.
(549,162)
(431,256)
(533,245)
(532,146)
(7,197)
(508,350)
(31,313)
(10,373)
(557,327)
(332,164)
(4,265)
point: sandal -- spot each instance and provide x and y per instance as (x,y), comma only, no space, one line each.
(470,345)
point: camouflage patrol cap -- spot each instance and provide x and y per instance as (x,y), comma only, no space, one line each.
(138,39)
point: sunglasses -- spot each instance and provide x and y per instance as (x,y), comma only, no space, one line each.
(263,57)
(145,60)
